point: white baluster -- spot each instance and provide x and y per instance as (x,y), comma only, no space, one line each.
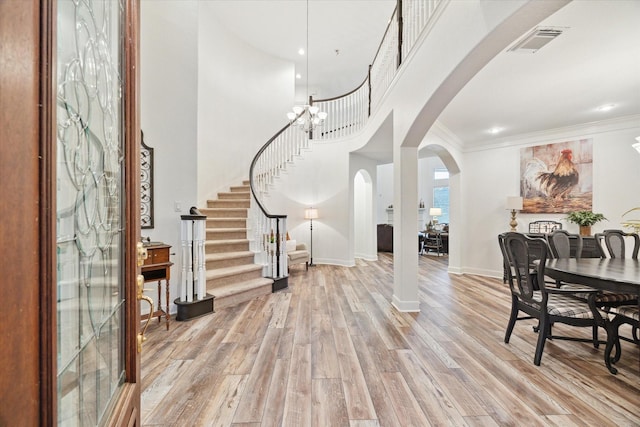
(189,260)
(199,239)
(183,274)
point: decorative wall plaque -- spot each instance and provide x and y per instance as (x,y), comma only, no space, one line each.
(146,185)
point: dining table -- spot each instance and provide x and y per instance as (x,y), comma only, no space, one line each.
(619,275)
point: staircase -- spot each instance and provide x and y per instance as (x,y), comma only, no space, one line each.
(232,276)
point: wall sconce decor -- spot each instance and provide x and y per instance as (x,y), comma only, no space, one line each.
(146,184)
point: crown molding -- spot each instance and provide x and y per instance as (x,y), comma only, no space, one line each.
(591,128)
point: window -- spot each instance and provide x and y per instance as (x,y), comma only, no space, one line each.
(441,200)
(441,193)
(439,174)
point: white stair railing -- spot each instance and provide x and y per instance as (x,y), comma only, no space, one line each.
(346,115)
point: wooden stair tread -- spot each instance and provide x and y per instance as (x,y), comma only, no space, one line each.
(218,273)
(224,230)
(224,242)
(222,210)
(228,255)
(239,287)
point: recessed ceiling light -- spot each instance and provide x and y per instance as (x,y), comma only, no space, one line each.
(301,51)
(495,130)
(298,76)
(606,107)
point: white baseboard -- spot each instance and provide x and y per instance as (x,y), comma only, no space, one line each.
(406,306)
(496,274)
(340,262)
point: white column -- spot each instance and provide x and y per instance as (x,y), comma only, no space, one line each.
(405,236)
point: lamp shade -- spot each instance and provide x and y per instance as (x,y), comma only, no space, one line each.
(311,213)
(435,211)
(637,144)
(514,203)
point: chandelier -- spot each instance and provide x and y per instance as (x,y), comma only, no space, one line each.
(307,117)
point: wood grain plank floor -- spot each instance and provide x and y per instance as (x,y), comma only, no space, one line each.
(332,351)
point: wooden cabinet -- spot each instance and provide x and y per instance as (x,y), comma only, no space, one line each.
(157,268)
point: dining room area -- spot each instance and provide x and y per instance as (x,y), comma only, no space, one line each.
(554,281)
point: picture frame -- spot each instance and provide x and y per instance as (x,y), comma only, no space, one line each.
(146,184)
(557,177)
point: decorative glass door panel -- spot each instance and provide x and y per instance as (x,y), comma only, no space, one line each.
(90,203)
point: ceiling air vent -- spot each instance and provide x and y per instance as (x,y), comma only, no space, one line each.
(536,39)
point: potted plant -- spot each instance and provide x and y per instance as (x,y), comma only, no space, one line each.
(585,219)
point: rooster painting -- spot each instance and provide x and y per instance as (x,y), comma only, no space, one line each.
(553,188)
(559,183)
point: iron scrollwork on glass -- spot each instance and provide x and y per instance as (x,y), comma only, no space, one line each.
(90,237)
(146,185)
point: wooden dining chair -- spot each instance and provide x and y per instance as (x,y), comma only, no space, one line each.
(548,304)
(559,242)
(624,314)
(616,243)
(433,242)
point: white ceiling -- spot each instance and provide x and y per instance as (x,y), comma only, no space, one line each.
(279,27)
(596,61)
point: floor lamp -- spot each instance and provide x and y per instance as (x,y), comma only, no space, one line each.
(311,214)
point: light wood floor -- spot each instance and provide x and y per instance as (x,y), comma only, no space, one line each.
(332,351)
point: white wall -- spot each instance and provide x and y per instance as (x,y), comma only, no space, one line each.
(426,167)
(244,96)
(493,174)
(320,178)
(168,105)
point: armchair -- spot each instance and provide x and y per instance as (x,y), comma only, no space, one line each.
(297,253)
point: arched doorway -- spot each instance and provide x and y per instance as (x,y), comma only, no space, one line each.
(447,160)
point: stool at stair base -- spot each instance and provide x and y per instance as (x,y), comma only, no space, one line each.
(298,255)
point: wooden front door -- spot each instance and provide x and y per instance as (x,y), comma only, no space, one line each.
(69,173)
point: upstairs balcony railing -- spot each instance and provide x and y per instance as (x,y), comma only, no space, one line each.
(346,115)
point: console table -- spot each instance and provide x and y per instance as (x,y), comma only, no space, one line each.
(157,267)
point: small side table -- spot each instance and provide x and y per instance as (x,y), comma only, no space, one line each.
(157,267)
